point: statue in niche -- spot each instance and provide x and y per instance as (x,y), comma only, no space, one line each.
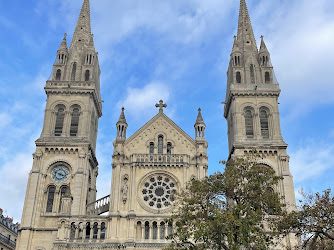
(124,189)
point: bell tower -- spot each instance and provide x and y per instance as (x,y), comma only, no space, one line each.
(63,176)
(251,108)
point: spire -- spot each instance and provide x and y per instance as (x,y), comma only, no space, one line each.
(199,119)
(122,118)
(63,45)
(83,29)
(245,29)
(263,47)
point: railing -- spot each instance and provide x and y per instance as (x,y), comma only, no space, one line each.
(7,241)
(99,206)
(55,83)
(160,158)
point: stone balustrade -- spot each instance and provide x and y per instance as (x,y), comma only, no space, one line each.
(99,206)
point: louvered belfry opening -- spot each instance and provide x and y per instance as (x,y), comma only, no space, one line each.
(249,124)
(60,116)
(264,124)
(75,122)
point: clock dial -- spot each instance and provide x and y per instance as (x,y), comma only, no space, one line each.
(60,174)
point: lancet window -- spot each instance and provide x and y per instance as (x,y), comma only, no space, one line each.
(238,77)
(267,77)
(58,75)
(87,75)
(74,71)
(151,148)
(160,144)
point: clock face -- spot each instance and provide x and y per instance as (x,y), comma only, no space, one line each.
(60,174)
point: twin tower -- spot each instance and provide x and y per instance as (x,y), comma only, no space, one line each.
(61,210)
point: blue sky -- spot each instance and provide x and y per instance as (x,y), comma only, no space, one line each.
(175,50)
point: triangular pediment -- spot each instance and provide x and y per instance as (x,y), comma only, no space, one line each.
(160,124)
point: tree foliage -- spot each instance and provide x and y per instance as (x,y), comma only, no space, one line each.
(231,210)
(314,221)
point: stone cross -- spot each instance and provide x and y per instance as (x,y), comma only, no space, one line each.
(161,105)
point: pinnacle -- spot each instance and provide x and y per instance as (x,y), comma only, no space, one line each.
(263,47)
(122,118)
(63,45)
(199,119)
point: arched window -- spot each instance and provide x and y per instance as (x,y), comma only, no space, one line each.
(73,229)
(58,75)
(103,231)
(169,148)
(160,144)
(267,77)
(162,230)
(74,71)
(151,148)
(249,123)
(170,228)
(147,230)
(60,115)
(62,193)
(88,230)
(155,230)
(75,121)
(238,77)
(264,123)
(138,231)
(51,196)
(87,75)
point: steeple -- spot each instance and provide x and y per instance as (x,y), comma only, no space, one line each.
(82,31)
(246,36)
(199,126)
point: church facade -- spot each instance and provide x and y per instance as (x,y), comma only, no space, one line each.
(61,210)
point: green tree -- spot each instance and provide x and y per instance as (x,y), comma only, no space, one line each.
(237,209)
(314,220)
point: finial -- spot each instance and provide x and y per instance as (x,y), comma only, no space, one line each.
(161,105)
(65,35)
(199,109)
(262,37)
(123,109)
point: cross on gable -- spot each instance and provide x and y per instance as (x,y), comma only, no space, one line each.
(161,105)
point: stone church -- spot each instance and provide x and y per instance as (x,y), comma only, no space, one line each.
(61,210)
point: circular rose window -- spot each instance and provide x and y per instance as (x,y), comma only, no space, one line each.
(157,192)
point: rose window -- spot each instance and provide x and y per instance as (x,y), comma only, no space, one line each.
(158,191)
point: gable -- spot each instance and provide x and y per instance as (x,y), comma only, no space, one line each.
(160,125)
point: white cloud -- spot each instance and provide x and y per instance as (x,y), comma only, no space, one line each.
(139,102)
(299,35)
(311,161)
(13,184)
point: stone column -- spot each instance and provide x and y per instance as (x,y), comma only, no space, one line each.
(98,231)
(143,231)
